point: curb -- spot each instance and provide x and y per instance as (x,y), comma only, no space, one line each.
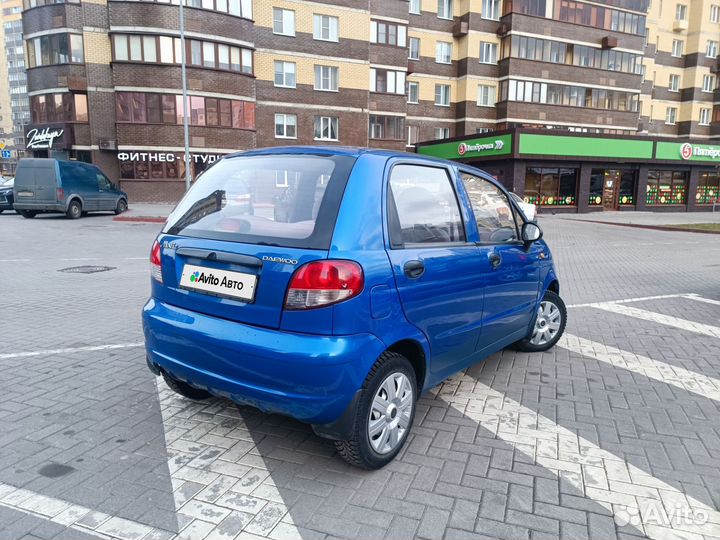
(140,219)
(668,228)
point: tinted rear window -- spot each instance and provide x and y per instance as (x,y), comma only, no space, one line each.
(289,200)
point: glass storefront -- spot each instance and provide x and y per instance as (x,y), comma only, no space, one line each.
(708,190)
(667,187)
(551,186)
(612,188)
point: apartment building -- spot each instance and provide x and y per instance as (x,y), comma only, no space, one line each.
(14,103)
(104,75)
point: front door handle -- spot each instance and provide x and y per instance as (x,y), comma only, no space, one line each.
(494,258)
(414,269)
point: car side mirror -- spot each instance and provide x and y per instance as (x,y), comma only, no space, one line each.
(531,232)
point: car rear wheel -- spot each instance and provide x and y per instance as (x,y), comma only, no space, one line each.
(384,415)
(548,327)
(29,214)
(184,389)
(74,210)
(120,207)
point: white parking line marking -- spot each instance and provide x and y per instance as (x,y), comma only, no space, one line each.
(697,298)
(90,348)
(682,378)
(76,517)
(667,320)
(596,473)
(630,300)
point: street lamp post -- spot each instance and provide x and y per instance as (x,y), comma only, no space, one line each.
(186,105)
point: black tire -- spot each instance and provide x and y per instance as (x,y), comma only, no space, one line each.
(121,207)
(1,211)
(358,450)
(74,210)
(184,389)
(28,214)
(525,345)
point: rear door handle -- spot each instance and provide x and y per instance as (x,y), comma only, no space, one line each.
(494,258)
(414,269)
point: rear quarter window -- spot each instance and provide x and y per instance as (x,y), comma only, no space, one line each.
(289,200)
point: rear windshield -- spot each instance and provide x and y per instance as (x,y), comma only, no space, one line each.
(288,200)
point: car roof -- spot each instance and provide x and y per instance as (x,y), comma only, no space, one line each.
(352,151)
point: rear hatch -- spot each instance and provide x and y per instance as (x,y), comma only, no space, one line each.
(36,181)
(231,246)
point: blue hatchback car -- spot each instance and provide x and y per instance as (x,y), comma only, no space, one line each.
(359,279)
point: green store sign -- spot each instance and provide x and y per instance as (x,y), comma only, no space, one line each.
(500,145)
(687,151)
(560,145)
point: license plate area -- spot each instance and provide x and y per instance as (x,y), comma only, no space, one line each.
(25,193)
(225,283)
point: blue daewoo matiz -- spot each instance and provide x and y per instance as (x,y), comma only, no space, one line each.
(353,281)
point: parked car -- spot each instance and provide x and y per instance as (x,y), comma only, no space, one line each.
(70,187)
(527,208)
(379,282)
(6,195)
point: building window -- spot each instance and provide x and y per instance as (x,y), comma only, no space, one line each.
(442,95)
(715,13)
(445,9)
(441,133)
(551,186)
(413,92)
(670,115)
(387,127)
(150,108)
(284,74)
(414,51)
(413,135)
(674,83)
(386,33)
(55,49)
(283,22)
(238,8)
(711,49)
(596,16)
(326,128)
(680,12)
(65,107)
(488,53)
(207,54)
(666,187)
(325,27)
(677,47)
(443,52)
(708,190)
(526,7)
(386,81)
(34,3)
(704,117)
(415,7)
(326,78)
(491,9)
(708,83)
(574,96)
(478,131)
(486,95)
(285,126)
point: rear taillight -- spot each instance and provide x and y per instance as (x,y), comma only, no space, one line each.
(322,283)
(155,262)
(60,194)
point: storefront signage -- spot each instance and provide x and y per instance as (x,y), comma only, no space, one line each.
(498,145)
(689,151)
(167,157)
(40,139)
(598,147)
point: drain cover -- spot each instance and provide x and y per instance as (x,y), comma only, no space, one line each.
(86,269)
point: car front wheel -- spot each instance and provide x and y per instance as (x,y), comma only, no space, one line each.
(384,414)
(74,210)
(28,214)
(548,327)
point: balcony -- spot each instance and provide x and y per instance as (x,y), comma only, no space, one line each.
(680,25)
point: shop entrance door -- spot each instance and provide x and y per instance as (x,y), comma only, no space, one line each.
(611,184)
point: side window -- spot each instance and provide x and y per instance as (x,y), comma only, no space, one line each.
(493,212)
(423,207)
(103,182)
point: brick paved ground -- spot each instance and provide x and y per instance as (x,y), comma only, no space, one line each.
(572,443)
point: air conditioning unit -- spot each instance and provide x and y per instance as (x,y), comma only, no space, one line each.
(502,29)
(679,26)
(107,144)
(609,42)
(461,28)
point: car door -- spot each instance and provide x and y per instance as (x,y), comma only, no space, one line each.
(107,197)
(77,180)
(513,282)
(438,272)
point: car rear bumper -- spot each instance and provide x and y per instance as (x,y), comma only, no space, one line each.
(40,207)
(311,378)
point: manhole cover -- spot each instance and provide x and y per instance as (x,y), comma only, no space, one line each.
(86,269)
